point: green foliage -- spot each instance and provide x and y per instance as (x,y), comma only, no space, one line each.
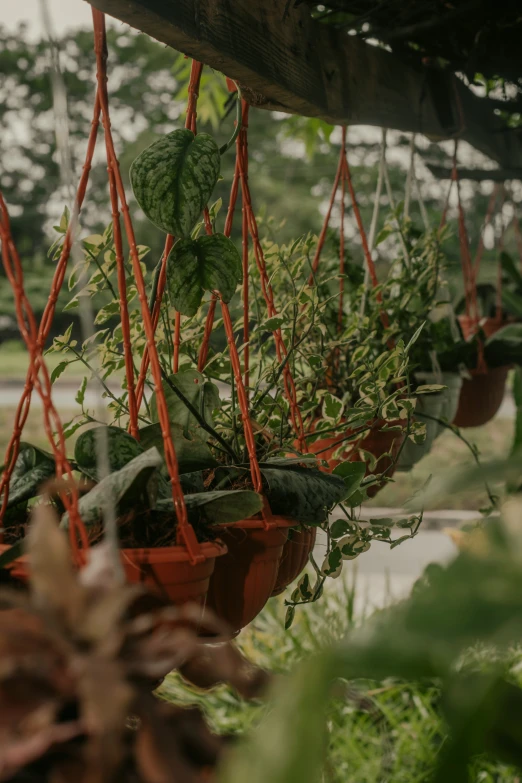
(427,637)
(192,453)
(125,489)
(173,180)
(304,494)
(121,448)
(202,394)
(207,263)
(218,507)
(33,468)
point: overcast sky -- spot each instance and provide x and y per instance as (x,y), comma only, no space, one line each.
(64,13)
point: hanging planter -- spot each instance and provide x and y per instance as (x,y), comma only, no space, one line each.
(296,552)
(381,442)
(169,571)
(245,578)
(482,394)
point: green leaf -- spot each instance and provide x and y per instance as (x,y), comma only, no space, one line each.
(272,324)
(122,448)
(80,394)
(33,468)
(192,453)
(219,507)
(517,395)
(205,264)
(173,179)
(429,389)
(123,489)
(289,617)
(304,494)
(332,406)
(512,302)
(203,395)
(352,474)
(414,339)
(58,370)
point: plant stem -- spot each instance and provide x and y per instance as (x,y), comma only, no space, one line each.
(199,418)
(473,449)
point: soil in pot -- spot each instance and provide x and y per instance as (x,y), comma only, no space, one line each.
(295,555)
(378,442)
(244,579)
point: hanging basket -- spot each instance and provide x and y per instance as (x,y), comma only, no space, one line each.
(169,572)
(378,442)
(166,571)
(470,326)
(244,579)
(296,552)
(481,397)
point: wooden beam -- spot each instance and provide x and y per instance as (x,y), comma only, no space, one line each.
(295,64)
(476,175)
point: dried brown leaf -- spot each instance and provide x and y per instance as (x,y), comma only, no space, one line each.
(53,579)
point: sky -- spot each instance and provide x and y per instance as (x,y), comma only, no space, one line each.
(65,14)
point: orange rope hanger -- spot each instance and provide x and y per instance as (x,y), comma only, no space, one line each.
(35,336)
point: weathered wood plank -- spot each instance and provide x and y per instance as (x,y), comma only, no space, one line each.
(300,66)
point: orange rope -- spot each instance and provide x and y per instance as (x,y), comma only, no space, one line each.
(185,532)
(52,423)
(156,310)
(124,309)
(24,405)
(341,233)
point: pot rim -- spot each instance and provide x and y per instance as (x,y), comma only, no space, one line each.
(160,554)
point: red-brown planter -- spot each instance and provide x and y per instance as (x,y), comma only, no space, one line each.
(295,557)
(243,580)
(470,326)
(166,571)
(378,442)
(481,397)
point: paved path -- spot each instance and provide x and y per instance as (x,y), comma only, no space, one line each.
(383,575)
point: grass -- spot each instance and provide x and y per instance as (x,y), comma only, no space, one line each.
(390,731)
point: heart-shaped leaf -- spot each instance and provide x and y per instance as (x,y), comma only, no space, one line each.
(193,453)
(173,179)
(205,264)
(32,468)
(122,448)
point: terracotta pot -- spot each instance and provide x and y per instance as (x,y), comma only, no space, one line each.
(470,326)
(166,571)
(295,557)
(243,580)
(377,442)
(481,397)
